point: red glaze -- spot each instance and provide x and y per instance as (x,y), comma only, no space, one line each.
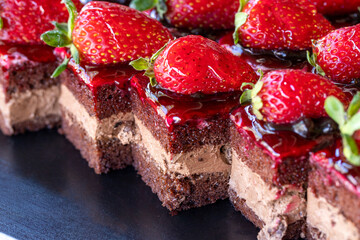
(25,20)
(95,77)
(282,24)
(337,168)
(194,64)
(278,144)
(13,56)
(207,14)
(338,54)
(266,62)
(178,108)
(110,33)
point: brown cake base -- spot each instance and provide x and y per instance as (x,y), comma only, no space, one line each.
(314,234)
(178,192)
(102,155)
(294,230)
(32,125)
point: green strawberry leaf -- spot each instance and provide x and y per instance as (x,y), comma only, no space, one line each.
(140,64)
(351,151)
(62,27)
(143,5)
(335,109)
(1,23)
(161,8)
(352,125)
(240,19)
(55,38)
(245,97)
(72,16)
(60,68)
(243,85)
(153,81)
(354,105)
(242,4)
(75,53)
(156,55)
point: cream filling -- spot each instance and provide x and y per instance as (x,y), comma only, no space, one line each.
(118,125)
(263,198)
(207,159)
(329,220)
(30,104)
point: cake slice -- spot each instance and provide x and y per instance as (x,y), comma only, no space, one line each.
(28,95)
(334,181)
(271,140)
(182,123)
(96,114)
(95,101)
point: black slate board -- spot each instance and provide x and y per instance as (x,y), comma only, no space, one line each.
(48,192)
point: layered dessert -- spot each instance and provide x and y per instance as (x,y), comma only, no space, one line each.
(28,95)
(333,192)
(182,122)
(271,140)
(96,114)
(95,101)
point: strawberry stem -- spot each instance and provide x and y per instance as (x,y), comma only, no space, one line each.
(348,122)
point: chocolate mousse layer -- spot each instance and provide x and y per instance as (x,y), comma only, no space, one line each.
(96,114)
(28,95)
(333,196)
(269,171)
(180,149)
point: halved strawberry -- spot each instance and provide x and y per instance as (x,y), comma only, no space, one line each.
(109,33)
(192,14)
(23,21)
(193,64)
(337,55)
(279,25)
(336,7)
(285,96)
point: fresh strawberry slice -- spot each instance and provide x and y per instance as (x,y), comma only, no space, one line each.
(285,96)
(336,7)
(337,55)
(192,14)
(108,33)
(24,20)
(193,64)
(280,25)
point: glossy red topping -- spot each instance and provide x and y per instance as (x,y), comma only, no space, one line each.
(336,7)
(110,33)
(289,95)
(179,108)
(25,20)
(194,64)
(282,24)
(96,76)
(335,164)
(208,14)
(15,55)
(338,54)
(265,60)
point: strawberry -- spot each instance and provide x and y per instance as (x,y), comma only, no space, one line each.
(336,7)
(193,64)
(279,25)
(109,33)
(337,55)
(23,21)
(283,96)
(192,14)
